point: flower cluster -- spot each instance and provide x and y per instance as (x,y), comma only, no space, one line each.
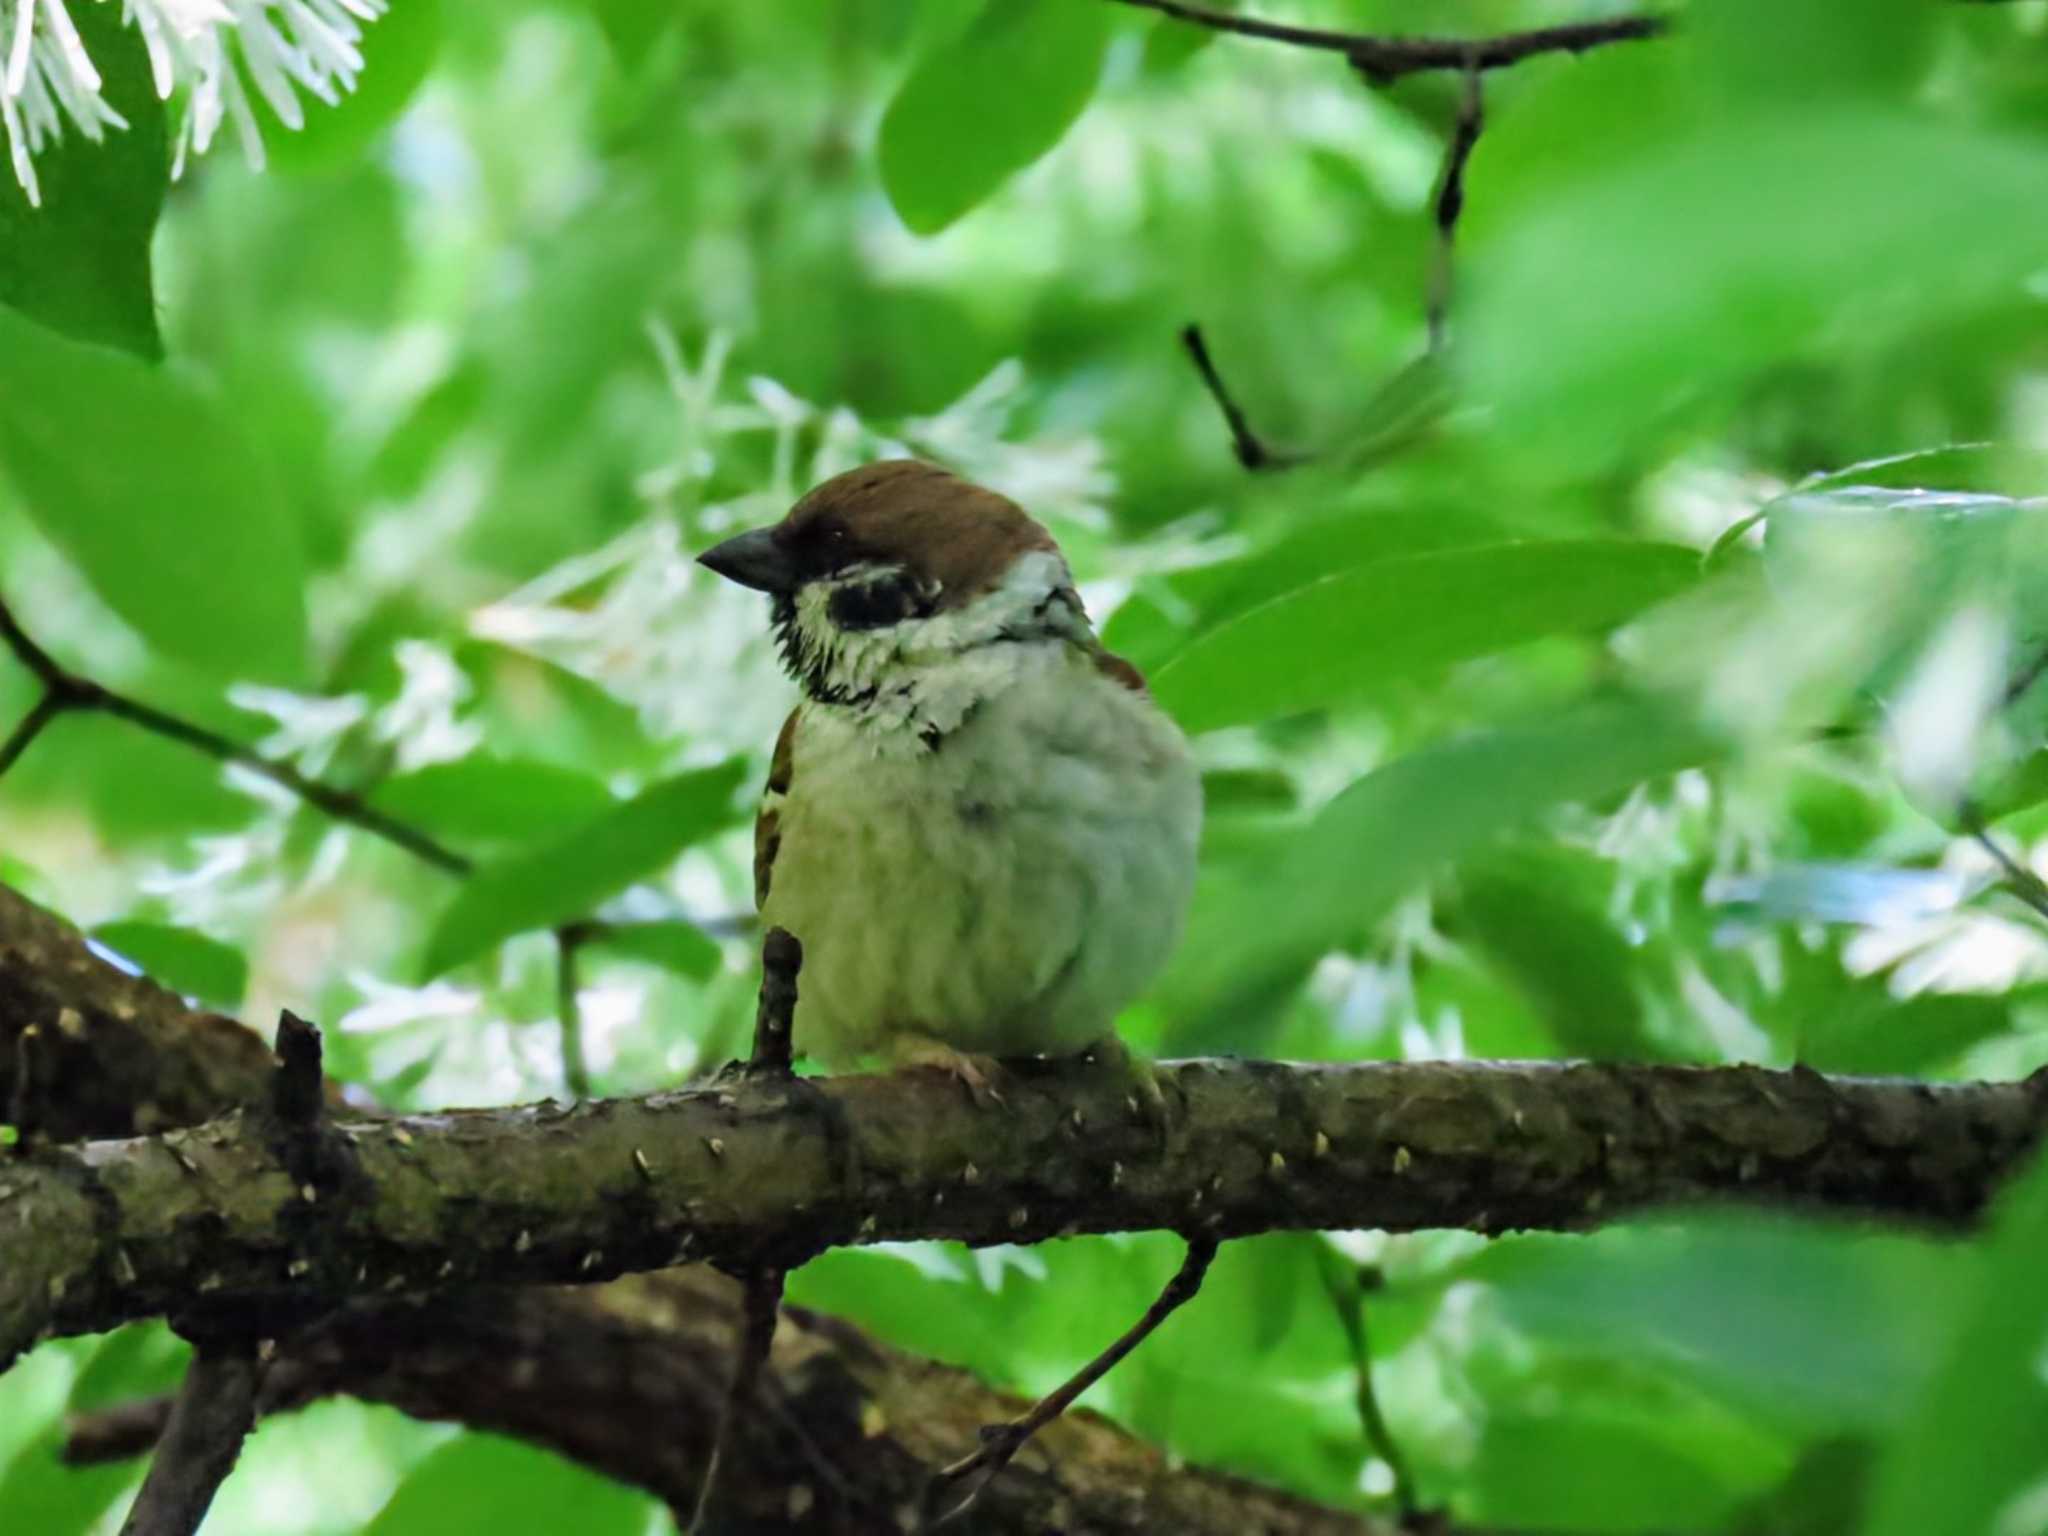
(213,53)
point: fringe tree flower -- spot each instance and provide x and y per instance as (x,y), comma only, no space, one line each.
(212,52)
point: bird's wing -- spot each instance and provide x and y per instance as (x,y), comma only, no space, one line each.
(768,820)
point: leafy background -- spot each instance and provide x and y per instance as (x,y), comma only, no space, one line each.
(1525,734)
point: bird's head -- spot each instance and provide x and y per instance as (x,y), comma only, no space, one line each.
(898,566)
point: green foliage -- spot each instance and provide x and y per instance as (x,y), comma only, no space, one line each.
(481,1485)
(493,799)
(1969,1449)
(78,259)
(566,877)
(178,958)
(1409,615)
(398,52)
(175,525)
(1020,73)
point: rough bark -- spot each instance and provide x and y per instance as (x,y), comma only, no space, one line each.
(99,1233)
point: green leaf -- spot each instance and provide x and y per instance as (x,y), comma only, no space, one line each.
(139,1360)
(1804,1324)
(679,947)
(65,1500)
(984,105)
(80,262)
(1393,619)
(176,524)
(1970,1443)
(483,1485)
(399,49)
(1589,1468)
(1332,879)
(567,878)
(181,959)
(1535,918)
(1711,256)
(511,799)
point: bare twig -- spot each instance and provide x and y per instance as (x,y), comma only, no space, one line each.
(782,957)
(1450,201)
(201,1439)
(1383,60)
(1347,1287)
(66,691)
(1251,450)
(2020,880)
(763,1302)
(1001,1442)
(47,708)
(568,1009)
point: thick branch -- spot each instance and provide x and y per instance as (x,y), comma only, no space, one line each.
(1385,59)
(770,1173)
(847,1434)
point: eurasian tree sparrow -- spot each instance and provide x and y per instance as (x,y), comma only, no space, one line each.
(977,822)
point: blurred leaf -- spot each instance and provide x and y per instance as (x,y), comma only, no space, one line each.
(1238,790)
(1306,553)
(64,1500)
(1396,618)
(1824,1495)
(1968,1447)
(1531,916)
(182,959)
(1689,266)
(398,49)
(1391,829)
(568,878)
(140,1360)
(1585,1469)
(679,947)
(178,529)
(1810,1325)
(484,797)
(1766,52)
(482,1485)
(79,263)
(1021,73)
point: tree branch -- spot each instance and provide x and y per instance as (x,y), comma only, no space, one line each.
(1251,450)
(767,1174)
(1384,60)
(845,1435)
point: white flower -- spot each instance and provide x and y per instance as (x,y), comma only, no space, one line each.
(211,51)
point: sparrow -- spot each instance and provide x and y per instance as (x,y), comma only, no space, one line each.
(977,822)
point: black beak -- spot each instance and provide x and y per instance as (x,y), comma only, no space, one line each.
(753,559)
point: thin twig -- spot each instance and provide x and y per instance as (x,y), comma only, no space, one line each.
(1001,1442)
(2020,880)
(782,957)
(1347,1288)
(1386,59)
(47,708)
(1450,201)
(203,1436)
(763,1302)
(66,691)
(1251,450)
(575,1073)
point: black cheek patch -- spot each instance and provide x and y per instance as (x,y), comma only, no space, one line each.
(877,604)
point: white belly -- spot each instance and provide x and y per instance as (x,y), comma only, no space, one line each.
(1007,893)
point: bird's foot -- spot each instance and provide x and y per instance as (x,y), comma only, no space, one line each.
(981,1076)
